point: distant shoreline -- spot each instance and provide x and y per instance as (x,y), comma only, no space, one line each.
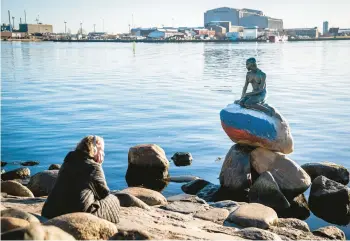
(192,41)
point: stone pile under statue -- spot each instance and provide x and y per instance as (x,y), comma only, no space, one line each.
(257,164)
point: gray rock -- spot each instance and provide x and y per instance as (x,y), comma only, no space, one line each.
(182,159)
(195,186)
(266,191)
(330,232)
(3,163)
(55,167)
(132,234)
(19,173)
(235,171)
(42,183)
(257,234)
(293,223)
(9,223)
(128,200)
(209,193)
(226,204)
(253,215)
(15,213)
(299,209)
(84,226)
(148,196)
(185,178)
(333,195)
(186,198)
(147,167)
(184,207)
(330,170)
(292,233)
(216,215)
(290,177)
(29,163)
(37,232)
(16,189)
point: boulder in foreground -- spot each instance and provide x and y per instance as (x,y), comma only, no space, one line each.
(84,226)
(253,215)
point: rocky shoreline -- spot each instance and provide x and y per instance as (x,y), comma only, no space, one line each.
(260,196)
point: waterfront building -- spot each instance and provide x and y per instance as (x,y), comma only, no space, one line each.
(35,28)
(334,31)
(242,17)
(165,33)
(250,33)
(302,32)
(5,27)
(220,32)
(325,27)
(142,32)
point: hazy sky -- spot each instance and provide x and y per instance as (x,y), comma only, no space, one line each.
(117,14)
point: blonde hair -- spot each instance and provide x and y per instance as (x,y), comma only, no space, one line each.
(87,144)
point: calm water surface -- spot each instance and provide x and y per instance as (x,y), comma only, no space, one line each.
(53,94)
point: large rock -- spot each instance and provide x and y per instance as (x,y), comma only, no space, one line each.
(148,167)
(266,191)
(128,200)
(55,167)
(293,223)
(292,233)
(330,232)
(290,177)
(16,189)
(299,208)
(330,170)
(255,128)
(333,195)
(216,215)
(257,234)
(37,232)
(29,163)
(84,226)
(253,215)
(182,158)
(185,178)
(20,173)
(16,213)
(9,223)
(42,183)
(148,196)
(3,163)
(235,171)
(209,193)
(195,186)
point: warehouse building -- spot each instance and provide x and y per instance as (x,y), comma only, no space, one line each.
(35,28)
(242,17)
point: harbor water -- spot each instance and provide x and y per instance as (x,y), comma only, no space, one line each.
(170,94)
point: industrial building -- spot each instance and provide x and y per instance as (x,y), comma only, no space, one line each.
(35,28)
(142,32)
(303,32)
(242,17)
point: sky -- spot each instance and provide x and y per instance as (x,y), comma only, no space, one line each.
(114,16)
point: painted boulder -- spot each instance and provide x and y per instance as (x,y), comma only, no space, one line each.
(255,128)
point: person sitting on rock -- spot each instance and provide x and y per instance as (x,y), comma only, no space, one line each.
(81,185)
(256,98)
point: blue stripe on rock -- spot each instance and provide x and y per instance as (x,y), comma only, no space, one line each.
(255,126)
